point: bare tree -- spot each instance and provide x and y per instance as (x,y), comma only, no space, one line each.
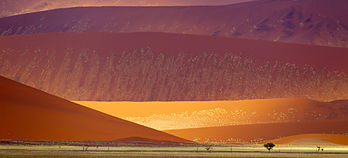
(208,146)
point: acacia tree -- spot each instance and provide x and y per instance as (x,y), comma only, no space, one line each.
(208,146)
(269,146)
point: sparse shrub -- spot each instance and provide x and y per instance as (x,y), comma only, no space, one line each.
(84,148)
(320,148)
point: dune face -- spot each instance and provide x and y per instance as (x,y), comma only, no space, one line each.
(319,22)
(30,114)
(196,114)
(257,133)
(314,139)
(163,67)
(14,7)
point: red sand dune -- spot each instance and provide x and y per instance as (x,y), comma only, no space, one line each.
(261,132)
(173,44)
(172,67)
(196,114)
(313,139)
(319,22)
(14,7)
(30,114)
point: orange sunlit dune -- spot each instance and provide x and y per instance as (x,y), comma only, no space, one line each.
(195,114)
(259,133)
(314,139)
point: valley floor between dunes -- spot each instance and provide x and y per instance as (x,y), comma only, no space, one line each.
(159,152)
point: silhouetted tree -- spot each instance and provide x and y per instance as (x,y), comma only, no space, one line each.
(269,146)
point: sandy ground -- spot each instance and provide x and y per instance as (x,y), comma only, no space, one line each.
(64,151)
(240,151)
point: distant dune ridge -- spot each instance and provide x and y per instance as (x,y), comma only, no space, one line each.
(318,22)
(257,133)
(30,114)
(314,139)
(172,67)
(196,114)
(14,7)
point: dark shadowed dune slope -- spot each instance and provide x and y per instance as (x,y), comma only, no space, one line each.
(30,114)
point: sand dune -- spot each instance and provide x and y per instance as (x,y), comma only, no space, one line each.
(172,67)
(15,7)
(260,132)
(30,114)
(195,114)
(313,139)
(319,22)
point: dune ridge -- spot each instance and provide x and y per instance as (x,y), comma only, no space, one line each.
(15,7)
(315,22)
(314,139)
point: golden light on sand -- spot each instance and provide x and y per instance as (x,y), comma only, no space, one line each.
(196,114)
